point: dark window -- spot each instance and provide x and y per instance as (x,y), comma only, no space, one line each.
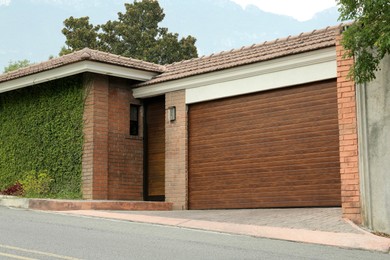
(134,120)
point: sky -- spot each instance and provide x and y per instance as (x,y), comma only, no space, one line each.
(31,29)
(293,8)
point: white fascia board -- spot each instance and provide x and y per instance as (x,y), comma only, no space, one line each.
(326,57)
(273,80)
(73,69)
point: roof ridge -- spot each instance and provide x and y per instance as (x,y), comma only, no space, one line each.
(87,51)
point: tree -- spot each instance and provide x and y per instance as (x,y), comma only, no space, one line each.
(14,65)
(134,34)
(368,37)
(79,34)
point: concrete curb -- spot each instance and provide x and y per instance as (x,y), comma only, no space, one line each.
(65,205)
(366,241)
(14,202)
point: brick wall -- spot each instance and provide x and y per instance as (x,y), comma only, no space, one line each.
(87,160)
(349,168)
(112,160)
(95,163)
(125,156)
(176,170)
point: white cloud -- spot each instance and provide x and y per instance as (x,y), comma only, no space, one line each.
(302,10)
(5,2)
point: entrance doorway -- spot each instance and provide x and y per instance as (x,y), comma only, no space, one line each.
(154,182)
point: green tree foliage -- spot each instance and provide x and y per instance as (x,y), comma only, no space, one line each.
(134,34)
(368,38)
(14,65)
(79,34)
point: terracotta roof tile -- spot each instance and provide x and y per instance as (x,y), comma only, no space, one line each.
(84,54)
(268,50)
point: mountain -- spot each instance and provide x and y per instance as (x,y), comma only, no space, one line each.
(222,25)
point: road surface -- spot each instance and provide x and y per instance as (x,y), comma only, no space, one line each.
(26,235)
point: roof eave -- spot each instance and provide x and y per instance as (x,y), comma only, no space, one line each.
(74,69)
(304,59)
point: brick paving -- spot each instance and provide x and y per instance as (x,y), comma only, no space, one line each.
(321,219)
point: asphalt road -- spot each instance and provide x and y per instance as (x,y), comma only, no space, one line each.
(30,235)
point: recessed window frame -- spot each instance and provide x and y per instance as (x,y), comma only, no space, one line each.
(134,120)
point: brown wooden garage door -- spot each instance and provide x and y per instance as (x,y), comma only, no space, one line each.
(278,148)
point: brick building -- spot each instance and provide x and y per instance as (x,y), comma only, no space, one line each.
(270,125)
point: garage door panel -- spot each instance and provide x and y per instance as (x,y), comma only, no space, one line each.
(264,173)
(247,164)
(237,170)
(244,113)
(259,178)
(241,160)
(269,202)
(213,153)
(316,93)
(267,137)
(269,193)
(295,188)
(265,124)
(269,196)
(286,114)
(265,186)
(258,147)
(273,149)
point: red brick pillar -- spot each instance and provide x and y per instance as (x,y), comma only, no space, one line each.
(349,166)
(125,152)
(176,170)
(95,150)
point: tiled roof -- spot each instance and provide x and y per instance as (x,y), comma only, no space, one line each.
(84,54)
(304,42)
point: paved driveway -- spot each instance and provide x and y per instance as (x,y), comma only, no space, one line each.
(322,219)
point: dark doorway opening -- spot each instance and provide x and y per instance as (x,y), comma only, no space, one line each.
(154,168)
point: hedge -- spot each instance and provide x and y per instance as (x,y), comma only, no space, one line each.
(41,130)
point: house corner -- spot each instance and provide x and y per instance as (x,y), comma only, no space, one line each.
(348,136)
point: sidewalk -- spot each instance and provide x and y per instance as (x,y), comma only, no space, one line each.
(307,225)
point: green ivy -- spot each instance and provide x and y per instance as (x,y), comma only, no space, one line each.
(41,130)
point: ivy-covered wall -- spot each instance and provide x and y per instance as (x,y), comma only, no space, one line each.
(41,129)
